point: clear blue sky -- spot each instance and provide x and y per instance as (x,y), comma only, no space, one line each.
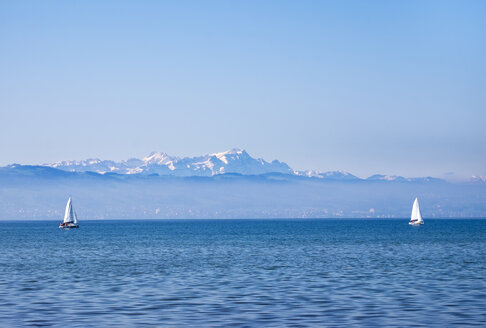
(394,87)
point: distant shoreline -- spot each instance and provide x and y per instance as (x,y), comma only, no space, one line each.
(242,219)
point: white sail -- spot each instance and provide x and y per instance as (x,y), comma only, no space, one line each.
(416,216)
(75,217)
(69,213)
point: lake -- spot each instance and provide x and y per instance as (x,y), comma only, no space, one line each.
(251,273)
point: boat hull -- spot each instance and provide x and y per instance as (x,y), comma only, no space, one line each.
(416,223)
(68,226)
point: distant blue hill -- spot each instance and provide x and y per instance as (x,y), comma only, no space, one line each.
(39,192)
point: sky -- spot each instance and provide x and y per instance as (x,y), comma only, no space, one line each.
(391,87)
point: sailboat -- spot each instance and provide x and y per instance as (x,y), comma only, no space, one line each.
(416,217)
(70,218)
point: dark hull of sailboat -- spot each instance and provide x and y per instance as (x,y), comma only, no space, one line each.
(416,223)
(69,226)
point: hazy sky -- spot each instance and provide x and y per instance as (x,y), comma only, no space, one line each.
(394,87)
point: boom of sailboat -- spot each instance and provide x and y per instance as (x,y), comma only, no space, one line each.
(70,217)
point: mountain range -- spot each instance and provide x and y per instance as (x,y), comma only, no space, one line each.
(236,161)
(231,161)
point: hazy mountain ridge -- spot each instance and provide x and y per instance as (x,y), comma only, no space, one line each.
(229,184)
(480,179)
(40,192)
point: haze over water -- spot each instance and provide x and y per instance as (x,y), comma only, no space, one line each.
(243,273)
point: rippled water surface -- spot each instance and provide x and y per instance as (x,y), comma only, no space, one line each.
(243,273)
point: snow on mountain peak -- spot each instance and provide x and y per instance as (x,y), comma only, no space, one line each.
(233,151)
(234,160)
(328,175)
(231,161)
(157,158)
(232,154)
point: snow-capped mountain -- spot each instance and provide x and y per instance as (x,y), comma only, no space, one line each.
(397,178)
(231,161)
(101,166)
(478,179)
(341,175)
(383,177)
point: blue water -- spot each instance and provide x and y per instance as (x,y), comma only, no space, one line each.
(269,273)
